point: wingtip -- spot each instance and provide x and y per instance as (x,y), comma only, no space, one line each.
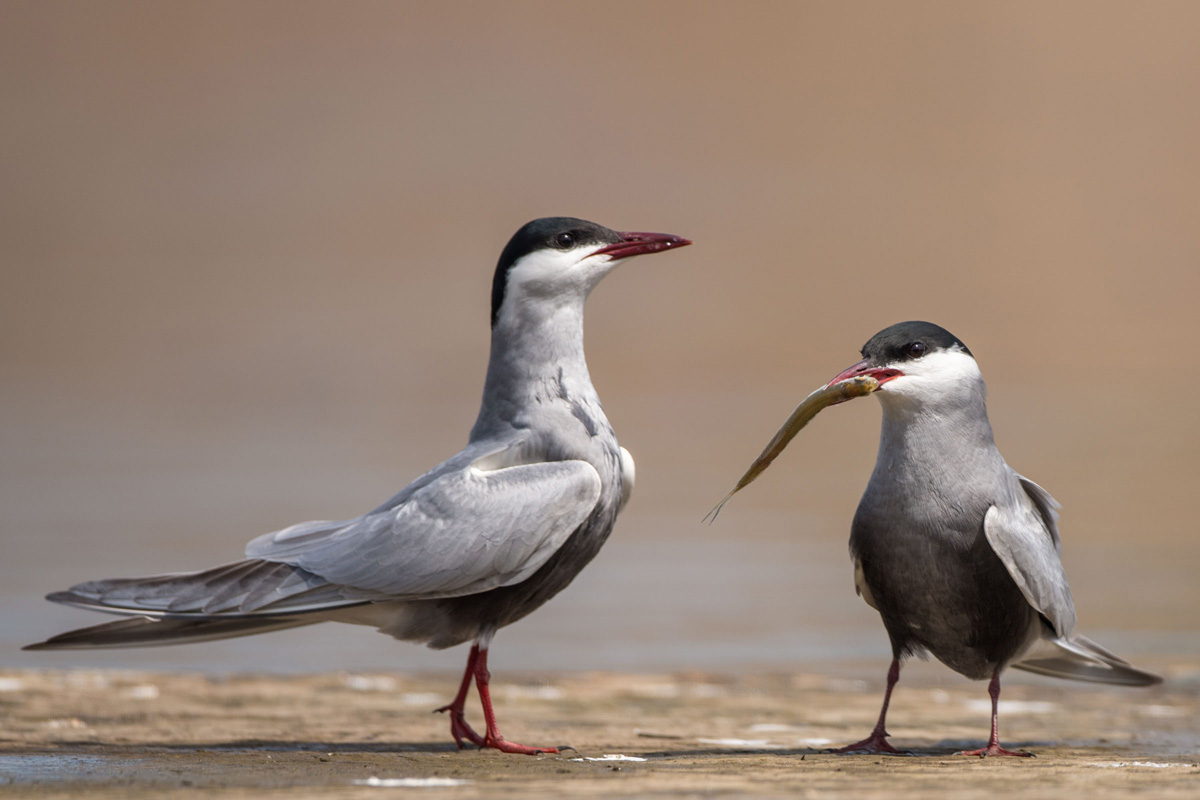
(1143,679)
(1072,665)
(59,642)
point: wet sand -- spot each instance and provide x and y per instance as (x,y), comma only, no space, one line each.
(122,734)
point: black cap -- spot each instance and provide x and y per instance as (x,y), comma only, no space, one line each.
(905,341)
(558,233)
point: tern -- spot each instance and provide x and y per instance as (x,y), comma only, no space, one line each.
(476,543)
(958,553)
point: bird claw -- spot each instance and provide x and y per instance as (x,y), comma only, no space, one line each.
(505,746)
(463,732)
(875,745)
(460,729)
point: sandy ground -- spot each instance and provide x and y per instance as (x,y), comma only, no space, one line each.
(121,734)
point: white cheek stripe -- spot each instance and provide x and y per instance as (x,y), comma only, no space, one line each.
(934,373)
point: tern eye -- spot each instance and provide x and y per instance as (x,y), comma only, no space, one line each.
(916,349)
(564,241)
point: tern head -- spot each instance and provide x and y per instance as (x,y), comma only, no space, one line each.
(559,260)
(918,362)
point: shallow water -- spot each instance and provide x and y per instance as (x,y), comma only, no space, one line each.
(759,589)
(37,768)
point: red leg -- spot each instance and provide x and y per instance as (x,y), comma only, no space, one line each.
(993,746)
(877,742)
(493,737)
(459,728)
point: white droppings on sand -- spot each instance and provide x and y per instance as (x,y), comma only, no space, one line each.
(422,699)
(1013,706)
(59,724)
(940,696)
(1124,764)
(143,691)
(515,692)
(758,744)
(11,684)
(86,680)
(409,783)
(846,686)
(775,727)
(1160,711)
(370,683)
(610,757)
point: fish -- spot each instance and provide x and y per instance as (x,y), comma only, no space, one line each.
(829,395)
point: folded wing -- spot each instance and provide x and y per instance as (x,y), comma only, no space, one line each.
(1023,531)
(466,531)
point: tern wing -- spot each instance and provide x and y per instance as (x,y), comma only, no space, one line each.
(1081,659)
(237,599)
(463,531)
(1047,507)
(1023,531)
(1025,536)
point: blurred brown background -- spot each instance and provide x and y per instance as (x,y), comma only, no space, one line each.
(247,251)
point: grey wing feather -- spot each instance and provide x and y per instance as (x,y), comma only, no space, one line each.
(461,530)
(242,588)
(1023,531)
(156,631)
(230,600)
(1047,506)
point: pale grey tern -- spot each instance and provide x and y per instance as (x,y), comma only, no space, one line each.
(476,543)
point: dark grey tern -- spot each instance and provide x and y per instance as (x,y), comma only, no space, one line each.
(958,553)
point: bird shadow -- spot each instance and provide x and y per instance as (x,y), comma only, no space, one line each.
(726,752)
(254,746)
(941,749)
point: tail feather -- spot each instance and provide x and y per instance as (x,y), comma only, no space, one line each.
(156,631)
(1081,659)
